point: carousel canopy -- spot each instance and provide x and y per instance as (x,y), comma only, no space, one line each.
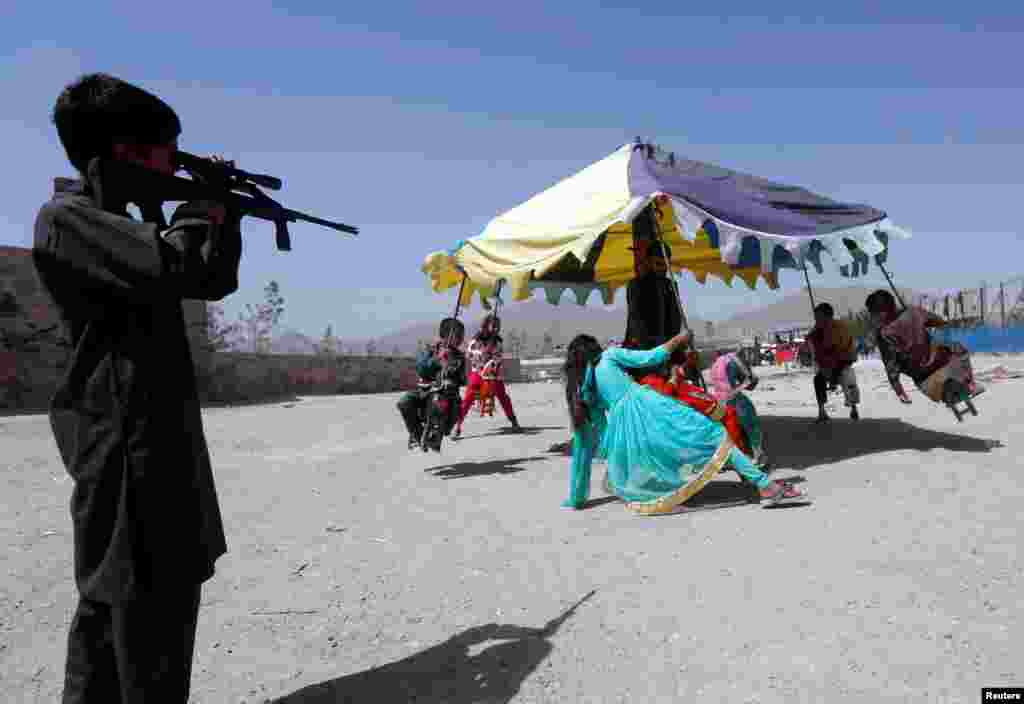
(577,235)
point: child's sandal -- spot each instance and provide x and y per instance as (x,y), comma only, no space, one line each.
(786,493)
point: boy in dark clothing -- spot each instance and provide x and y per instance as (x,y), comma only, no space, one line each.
(443,357)
(126,417)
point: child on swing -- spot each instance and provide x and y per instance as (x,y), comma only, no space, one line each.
(489,376)
(730,378)
(834,354)
(680,385)
(485,356)
(443,356)
(906,347)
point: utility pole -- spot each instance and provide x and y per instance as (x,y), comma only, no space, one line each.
(1002,302)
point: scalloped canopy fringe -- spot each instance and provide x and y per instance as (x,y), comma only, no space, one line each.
(576,235)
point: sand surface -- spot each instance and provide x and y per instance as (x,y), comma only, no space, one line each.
(359,571)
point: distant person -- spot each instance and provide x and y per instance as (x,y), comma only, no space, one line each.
(834,355)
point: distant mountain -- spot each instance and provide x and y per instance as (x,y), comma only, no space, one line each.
(536,318)
(795,309)
(293,342)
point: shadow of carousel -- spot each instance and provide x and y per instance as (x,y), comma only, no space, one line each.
(794,442)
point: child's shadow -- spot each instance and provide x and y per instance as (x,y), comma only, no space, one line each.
(462,470)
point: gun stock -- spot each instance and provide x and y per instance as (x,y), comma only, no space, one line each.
(140,185)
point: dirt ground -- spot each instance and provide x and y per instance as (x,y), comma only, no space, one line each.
(359,571)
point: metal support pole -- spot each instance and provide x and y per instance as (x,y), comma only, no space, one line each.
(1002,303)
(807,278)
(458,305)
(891,285)
(458,301)
(671,276)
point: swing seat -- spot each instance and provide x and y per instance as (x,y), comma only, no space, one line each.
(485,398)
(953,384)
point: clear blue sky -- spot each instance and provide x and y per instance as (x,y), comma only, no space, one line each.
(420,121)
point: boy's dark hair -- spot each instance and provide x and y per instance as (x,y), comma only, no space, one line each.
(98,110)
(450,325)
(880,300)
(825,309)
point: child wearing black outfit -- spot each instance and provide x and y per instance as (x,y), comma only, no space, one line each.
(443,359)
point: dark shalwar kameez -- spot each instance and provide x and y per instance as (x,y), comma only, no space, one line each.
(654,316)
(126,419)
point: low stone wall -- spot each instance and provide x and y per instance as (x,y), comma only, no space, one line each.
(32,364)
(29,378)
(233,377)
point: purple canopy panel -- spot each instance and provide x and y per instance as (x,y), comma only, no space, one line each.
(789,216)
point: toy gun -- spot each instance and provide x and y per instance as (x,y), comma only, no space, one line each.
(238,190)
(548,630)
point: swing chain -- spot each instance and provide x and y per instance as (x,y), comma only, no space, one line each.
(458,306)
(892,286)
(807,278)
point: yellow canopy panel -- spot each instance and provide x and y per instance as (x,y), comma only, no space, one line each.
(522,259)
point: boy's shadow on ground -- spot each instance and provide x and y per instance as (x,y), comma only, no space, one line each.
(461,470)
(447,672)
(797,443)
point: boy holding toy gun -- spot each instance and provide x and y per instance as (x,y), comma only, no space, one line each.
(126,417)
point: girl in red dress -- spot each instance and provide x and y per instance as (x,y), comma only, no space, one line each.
(484,351)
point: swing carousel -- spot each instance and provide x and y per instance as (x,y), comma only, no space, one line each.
(583,234)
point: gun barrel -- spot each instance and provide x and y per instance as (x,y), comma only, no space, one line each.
(296,216)
(191,162)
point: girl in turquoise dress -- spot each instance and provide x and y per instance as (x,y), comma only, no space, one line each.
(660,452)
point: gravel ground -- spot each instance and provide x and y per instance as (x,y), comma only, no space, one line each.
(361,572)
